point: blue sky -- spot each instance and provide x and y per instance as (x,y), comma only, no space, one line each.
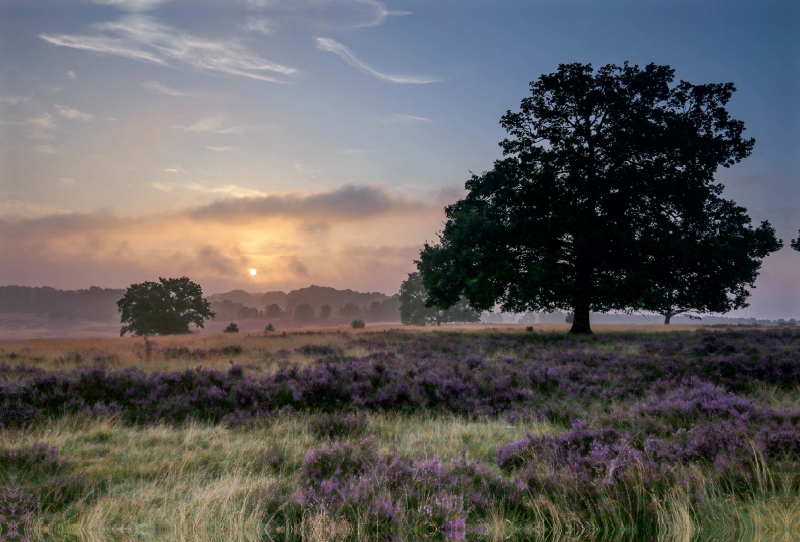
(330,133)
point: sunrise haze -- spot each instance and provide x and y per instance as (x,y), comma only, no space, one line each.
(271,145)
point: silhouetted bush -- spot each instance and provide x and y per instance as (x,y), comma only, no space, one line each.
(357,324)
(231,328)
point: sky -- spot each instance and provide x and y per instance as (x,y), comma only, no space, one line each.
(318,141)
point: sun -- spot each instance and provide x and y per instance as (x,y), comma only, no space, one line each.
(253,272)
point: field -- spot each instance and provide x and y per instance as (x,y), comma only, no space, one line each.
(462,433)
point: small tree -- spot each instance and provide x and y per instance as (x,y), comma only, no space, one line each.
(166,307)
(324,313)
(304,313)
(274,311)
(350,310)
(357,324)
(247,312)
(231,328)
(415,312)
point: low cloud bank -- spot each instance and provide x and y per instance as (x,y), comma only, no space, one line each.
(355,236)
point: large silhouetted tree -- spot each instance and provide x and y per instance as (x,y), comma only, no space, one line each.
(166,307)
(593,161)
(704,259)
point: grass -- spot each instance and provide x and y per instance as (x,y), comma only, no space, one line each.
(195,481)
(259,352)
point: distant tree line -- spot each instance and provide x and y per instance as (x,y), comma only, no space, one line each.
(90,304)
(387,310)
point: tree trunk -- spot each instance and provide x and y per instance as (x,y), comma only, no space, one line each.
(580,321)
(667,317)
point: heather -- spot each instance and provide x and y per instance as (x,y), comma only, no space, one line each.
(399,435)
(670,377)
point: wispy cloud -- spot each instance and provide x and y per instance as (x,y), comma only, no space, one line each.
(220,149)
(73,114)
(174,169)
(13,100)
(404,119)
(44,121)
(216,125)
(168,91)
(15,211)
(380,13)
(66,181)
(162,187)
(340,14)
(104,44)
(226,191)
(141,37)
(71,75)
(46,149)
(41,126)
(132,5)
(207,124)
(230,191)
(329,45)
(260,25)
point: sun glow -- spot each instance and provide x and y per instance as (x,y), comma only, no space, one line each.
(253,272)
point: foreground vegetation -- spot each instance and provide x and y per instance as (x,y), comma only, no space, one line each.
(405,435)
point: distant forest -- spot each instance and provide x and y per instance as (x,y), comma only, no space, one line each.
(100,304)
(96,304)
(343,304)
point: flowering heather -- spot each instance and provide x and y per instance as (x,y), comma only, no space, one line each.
(676,377)
(635,420)
(355,478)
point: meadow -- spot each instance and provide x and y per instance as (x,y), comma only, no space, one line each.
(473,433)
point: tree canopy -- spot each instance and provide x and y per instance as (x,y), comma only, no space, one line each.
(325,312)
(166,307)
(595,162)
(795,244)
(704,261)
(304,313)
(274,310)
(414,311)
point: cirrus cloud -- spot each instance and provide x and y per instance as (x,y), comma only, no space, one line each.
(73,114)
(333,46)
(142,37)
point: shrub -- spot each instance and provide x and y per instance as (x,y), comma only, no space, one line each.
(269,327)
(315,350)
(357,324)
(337,425)
(231,328)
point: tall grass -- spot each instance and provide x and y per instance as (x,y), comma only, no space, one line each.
(203,483)
(484,436)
